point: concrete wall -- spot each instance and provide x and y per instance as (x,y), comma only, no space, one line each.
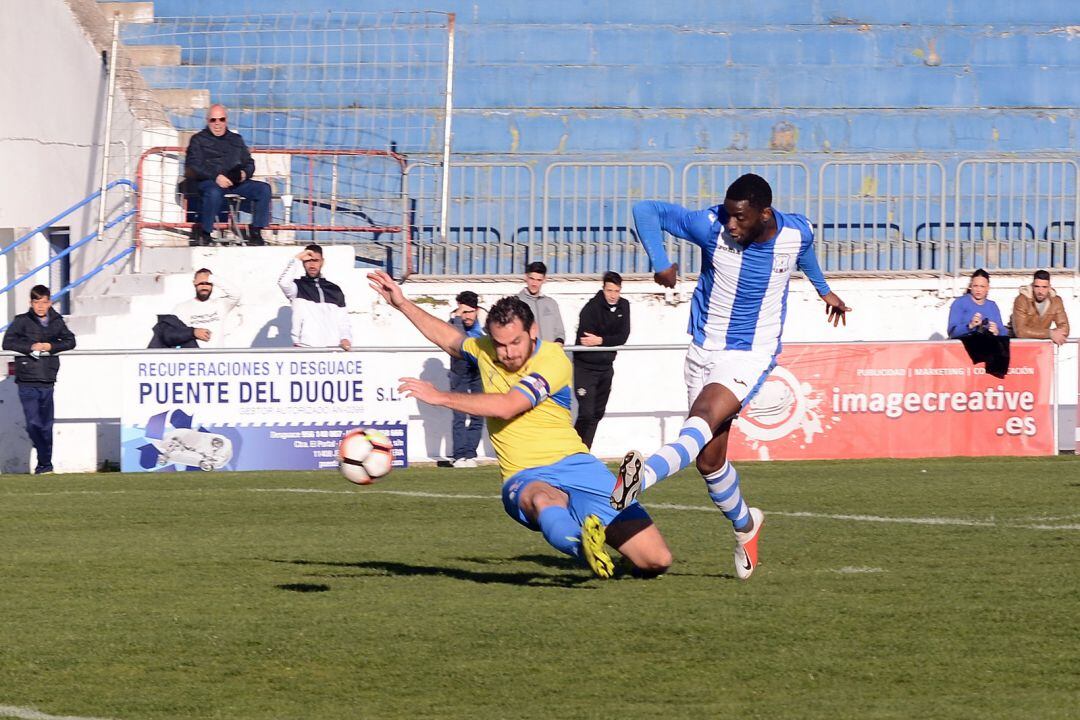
(54,90)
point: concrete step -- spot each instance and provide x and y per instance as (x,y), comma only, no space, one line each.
(183,100)
(153,55)
(168,260)
(704,85)
(594,44)
(129,12)
(689,12)
(101,305)
(82,326)
(137,284)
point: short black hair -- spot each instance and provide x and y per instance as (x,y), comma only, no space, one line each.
(200,271)
(752,188)
(536,267)
(981,273)
(612,277)
(467,298)
(315,248)
(39,291)
(508,309)
(1042,275)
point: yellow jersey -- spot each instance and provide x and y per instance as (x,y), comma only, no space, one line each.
(544,434)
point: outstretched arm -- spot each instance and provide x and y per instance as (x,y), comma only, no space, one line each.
(440,332)
(653,218)
(835,309)
(494,405)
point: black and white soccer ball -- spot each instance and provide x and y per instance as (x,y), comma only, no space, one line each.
(365,456)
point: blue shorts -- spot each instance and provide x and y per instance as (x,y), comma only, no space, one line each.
(587,482)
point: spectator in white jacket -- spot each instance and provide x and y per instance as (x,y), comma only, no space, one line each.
(207,312)
(319,318)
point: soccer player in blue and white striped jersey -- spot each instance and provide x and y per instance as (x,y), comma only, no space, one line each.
(749,251)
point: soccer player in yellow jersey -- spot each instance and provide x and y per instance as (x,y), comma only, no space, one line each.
(550,481)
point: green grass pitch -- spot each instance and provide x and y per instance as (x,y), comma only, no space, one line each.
(887,589)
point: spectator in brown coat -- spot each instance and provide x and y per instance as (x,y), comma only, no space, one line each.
(1038,312)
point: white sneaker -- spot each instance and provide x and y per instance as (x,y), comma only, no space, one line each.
(628,481)
(746,546)
(464,463)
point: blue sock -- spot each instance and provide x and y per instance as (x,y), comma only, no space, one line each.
(560,530)
(723,487)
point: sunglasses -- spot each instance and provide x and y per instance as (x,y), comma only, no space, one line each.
(217,119)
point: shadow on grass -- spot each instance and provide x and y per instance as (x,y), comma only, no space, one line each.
(380,567)
(622,569)
(303,587)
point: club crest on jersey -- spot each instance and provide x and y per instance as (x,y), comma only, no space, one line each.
(781,263)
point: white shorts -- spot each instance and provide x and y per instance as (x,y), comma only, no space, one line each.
(740,371)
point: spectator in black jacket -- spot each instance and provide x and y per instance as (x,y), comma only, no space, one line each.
(219,162)
(38,335)
(171,332)
(604,321)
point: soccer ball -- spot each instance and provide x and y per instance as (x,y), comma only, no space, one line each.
(364,456)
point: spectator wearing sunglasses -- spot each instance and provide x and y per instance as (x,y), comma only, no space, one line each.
(219,162)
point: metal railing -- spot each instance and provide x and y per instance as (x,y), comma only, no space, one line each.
(866,211)
(314,191)
(109,223)
(872,215)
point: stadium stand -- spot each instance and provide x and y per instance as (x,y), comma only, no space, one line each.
(917,90)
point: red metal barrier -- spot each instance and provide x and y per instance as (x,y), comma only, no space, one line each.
(385,201)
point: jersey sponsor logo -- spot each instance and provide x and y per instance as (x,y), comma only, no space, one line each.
(537,386)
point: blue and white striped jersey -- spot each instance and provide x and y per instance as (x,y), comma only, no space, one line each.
(740,302)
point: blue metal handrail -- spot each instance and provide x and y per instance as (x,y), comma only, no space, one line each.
(67,251)
(52,221)
(64,253)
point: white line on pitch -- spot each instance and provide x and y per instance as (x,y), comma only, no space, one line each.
(948,522)
(10,711)
(941,521)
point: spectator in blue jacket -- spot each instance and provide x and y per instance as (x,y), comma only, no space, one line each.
(38,335)
(976,321)
(219,162)
(973,312)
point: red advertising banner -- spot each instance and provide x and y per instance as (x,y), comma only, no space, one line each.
(873,400)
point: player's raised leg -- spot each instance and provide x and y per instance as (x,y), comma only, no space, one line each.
(711,407)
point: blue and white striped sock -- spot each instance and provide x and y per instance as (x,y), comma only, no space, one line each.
(673,457)
(723,487)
